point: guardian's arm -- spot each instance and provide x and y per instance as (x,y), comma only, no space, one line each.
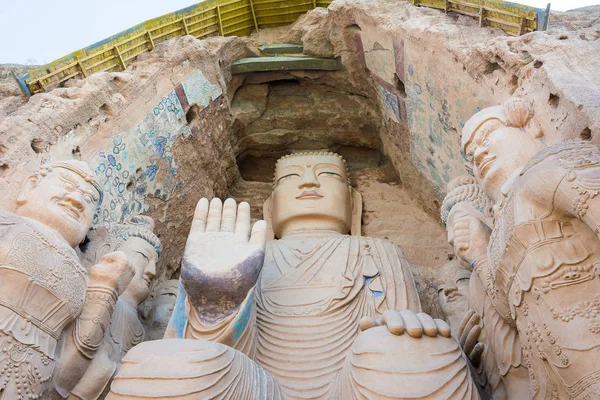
(107,281)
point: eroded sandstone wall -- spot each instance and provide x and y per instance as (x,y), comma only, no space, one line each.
(177,126)
(430,72)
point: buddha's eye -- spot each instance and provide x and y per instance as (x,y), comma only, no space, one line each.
(89,199)
(287,177)
(69,186)
(330,174)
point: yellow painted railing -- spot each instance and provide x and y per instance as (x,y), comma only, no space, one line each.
(209,18)
(239,18)
(514,19)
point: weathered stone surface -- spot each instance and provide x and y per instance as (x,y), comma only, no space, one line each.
(183,127)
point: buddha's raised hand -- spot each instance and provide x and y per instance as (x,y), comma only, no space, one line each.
(406,321)
(223,256)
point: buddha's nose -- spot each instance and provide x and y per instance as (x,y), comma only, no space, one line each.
(450,237)
(150,270)
(309,179)
(450,288)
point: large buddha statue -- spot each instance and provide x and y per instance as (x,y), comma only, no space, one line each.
(45,289)
(315,314)
(544,250)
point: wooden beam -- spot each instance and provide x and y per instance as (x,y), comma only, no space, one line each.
(81,68)
(283,63)
(253,15)
(219,20)
(118,54)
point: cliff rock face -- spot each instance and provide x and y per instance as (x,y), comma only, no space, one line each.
(176,125)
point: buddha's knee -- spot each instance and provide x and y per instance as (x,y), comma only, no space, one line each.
(190,369)
(381,364)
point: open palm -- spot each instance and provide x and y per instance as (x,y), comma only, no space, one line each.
(223,255)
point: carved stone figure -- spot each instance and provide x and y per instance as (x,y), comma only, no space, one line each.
(490,341)
(315,314)
(453,293)
(544,249)
(45,289)
(164,297)
(141,247)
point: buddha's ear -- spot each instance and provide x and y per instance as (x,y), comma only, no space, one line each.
(355,226)
(268,217)
(30,183)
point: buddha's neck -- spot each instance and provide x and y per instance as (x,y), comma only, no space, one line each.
(310,233)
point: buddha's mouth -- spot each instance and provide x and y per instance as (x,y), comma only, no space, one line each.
(309,194)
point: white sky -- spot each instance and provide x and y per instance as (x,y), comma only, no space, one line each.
(40,31)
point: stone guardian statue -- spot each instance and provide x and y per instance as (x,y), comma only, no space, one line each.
(544,250)
(45,293)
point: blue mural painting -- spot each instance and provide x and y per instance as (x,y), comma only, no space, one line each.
(140,162)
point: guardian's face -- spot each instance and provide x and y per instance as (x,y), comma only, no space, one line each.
(311,193)
(62,200)
(497,152)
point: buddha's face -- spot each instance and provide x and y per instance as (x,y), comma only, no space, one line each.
(497,152)
(311,193)
(142,256)
(62,200)
(453,294)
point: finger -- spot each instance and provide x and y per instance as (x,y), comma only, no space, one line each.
(242,223)
(472,339)
(429,327)
(228,217)
(200,215)
(474,320)
(442,327)
(465,320)
(476,354)
(213,222)
(393,321)
(259,233)
(367,323)
(412,324)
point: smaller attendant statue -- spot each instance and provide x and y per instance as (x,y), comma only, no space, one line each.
(141,247)
(491,342)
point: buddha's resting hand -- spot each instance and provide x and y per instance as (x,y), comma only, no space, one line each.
(223,257)
(414,324)
(113,271)
(469,332)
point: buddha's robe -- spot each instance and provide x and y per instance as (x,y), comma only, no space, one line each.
(298,330)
